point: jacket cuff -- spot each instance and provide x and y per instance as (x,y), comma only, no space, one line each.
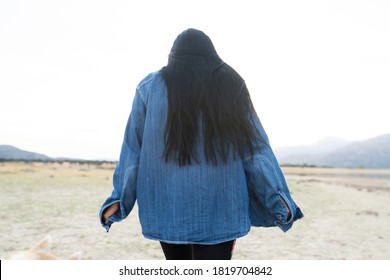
(116,217)
(296,215)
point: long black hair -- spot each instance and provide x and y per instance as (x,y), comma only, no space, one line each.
(202,89)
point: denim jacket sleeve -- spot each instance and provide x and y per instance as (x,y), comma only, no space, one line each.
(268,191)
(126,171)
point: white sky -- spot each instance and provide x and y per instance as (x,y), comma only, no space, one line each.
(69,69)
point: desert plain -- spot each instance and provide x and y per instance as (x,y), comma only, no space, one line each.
(347,215)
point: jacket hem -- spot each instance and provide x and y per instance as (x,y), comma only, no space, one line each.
(213,242)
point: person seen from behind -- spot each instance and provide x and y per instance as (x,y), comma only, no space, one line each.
(196,158)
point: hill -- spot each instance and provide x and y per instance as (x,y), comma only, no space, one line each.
(8,152)
(334,152)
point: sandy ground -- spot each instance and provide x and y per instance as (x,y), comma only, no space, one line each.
(347,215)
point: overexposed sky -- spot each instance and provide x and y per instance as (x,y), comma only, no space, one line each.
(69,69)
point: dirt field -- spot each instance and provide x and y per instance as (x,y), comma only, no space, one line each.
(347,215)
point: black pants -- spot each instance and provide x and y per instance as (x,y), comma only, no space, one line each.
(221,251)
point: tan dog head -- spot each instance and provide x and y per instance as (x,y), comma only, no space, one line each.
(40,251)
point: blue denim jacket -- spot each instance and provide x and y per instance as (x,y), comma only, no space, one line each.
(200,203)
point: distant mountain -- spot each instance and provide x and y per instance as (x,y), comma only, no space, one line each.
(12,153)
(306,154)
(335,152)
(8,152)
(332,152)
